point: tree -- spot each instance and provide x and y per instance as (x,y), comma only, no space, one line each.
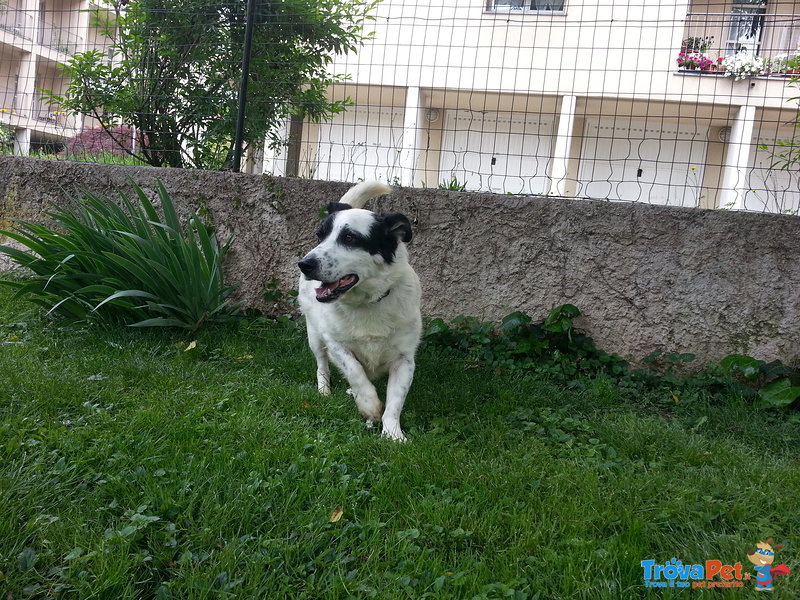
(176,65)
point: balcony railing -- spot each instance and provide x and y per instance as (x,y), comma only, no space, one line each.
(16,21)
(52,114)
(58,38)
(721,34)
(742,43)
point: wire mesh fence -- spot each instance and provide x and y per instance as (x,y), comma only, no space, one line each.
(689,103)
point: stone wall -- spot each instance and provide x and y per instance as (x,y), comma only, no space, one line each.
(645,277)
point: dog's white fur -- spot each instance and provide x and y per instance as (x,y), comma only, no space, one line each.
(374,327)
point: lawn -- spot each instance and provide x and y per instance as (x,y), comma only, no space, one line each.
(132,468)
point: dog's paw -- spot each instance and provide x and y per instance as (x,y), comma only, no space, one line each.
(393,432)
(323,384)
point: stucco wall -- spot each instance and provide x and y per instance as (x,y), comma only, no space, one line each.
(645,277)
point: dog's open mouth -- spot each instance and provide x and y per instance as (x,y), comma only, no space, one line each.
(328,292)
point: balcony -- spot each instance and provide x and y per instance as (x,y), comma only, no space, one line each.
(59,38)
(15,21)
(52,114)
(766,44)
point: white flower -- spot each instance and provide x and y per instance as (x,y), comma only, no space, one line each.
(742,65)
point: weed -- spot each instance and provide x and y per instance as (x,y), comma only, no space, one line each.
(556,349)
(453,184)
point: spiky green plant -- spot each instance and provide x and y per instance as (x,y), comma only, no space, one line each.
(123,262)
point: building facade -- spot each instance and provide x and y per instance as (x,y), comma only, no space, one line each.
(623,100)
(36,36)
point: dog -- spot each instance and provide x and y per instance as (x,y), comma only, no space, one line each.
(361,300)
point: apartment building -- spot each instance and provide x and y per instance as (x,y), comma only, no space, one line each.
(36,36)
(577,98)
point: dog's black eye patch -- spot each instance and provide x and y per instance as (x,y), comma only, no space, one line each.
(376,242)
(352,239)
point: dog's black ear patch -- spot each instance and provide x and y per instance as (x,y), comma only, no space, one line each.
(398,225)
(325,228)
(334,207)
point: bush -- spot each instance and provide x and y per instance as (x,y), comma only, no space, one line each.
(123,263)
(100,141)
(6,140)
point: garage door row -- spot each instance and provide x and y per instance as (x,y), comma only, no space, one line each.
(619,159)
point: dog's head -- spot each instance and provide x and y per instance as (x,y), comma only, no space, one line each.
(355,247)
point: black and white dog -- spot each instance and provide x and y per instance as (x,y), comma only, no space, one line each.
(361,300)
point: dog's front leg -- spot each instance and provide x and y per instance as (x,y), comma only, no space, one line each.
(401,374)
(364,392)
(321,354)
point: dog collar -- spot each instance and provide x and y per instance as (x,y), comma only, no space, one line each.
(382,297)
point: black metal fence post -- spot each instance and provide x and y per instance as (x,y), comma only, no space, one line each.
(248,46)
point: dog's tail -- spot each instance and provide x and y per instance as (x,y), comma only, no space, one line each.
(358,195)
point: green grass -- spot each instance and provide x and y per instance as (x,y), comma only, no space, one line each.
(132,469)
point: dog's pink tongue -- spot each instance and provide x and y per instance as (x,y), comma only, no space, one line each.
(326,289)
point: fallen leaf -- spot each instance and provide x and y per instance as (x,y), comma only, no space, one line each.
(245,357)
(192,345)
(336,514)
(305,404)
(676,399)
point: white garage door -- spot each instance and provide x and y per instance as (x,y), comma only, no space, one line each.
(498,152)
(362,143)
(772,189)
(634,161)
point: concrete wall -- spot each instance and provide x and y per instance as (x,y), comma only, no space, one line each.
(646,277)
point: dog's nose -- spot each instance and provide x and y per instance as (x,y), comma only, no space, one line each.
(308,266)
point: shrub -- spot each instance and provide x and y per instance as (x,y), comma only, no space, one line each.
(123,263)
(6,140)
(97,140)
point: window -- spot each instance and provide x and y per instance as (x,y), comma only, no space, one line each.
(525,5)
(746,26)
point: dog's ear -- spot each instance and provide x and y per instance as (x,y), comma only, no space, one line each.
(398,225)
(777,546)
(337,206)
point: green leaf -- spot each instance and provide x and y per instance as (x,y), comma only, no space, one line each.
(126,294)
(512,322)
(749,367)
(74,553)
(26,560)
(779,393)
(161,322)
